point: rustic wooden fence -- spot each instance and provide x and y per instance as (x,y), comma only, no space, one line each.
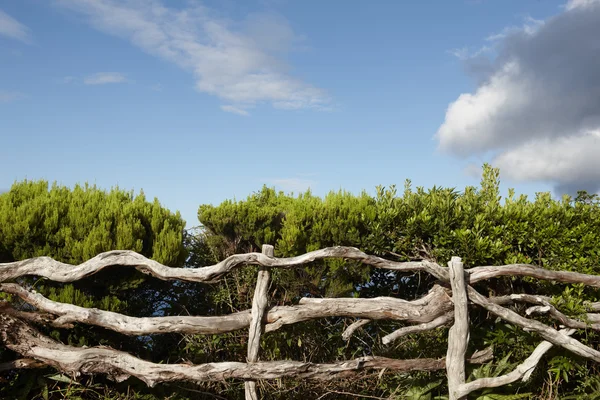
(446,303)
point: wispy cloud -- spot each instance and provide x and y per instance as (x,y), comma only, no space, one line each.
(573,4)
(235,110)
(8,97)
(529,27)
(14,29)
(68,79)
(296,185)
(465,53)
(157,87)
(103,78)
(240,62)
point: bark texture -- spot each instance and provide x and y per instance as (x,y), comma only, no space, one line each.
(259,306)
(458,336)
(434,310)
(422,310)
(61,272)
(21,338)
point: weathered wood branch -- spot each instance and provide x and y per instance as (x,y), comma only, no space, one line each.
(458,336)
(592,317)
(435,303)
(514,298)
(429,312)
(69,313)
(551,335)
(425,309)
(35,317)
(28,342)
(427,326)
(349,331)
(543,306)
(594,306)
(259,305)
(482,273)
(522,371)
(61,272)
(22,363)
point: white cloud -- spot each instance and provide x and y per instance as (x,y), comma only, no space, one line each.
(296,185)
(461,53)
(103,78)
(157,87)
(8,97)
(235,110)
(572,4)
(536,102)
(464,53)
(13,29)
(239,62)
(572,163)
(67,79)
(504,95)
(530,26)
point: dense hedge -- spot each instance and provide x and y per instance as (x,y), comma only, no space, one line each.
(73,225)
(475,224)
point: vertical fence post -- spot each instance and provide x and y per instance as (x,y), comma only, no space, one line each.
(259,305)
(458,337)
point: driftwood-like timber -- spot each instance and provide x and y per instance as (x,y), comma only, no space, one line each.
(446,303)
(61,272)
(119,365)
(522,371)
(442,320)
(458,335)
(545,307)
(260,301)
(22,363)
(349,331)
(551,335)
(423,310)
(482,273)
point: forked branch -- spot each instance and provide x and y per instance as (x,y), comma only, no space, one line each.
(551,335)
(522,371)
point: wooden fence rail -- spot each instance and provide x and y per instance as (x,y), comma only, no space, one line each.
(446,303)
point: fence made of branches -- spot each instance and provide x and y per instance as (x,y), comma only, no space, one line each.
(446,303)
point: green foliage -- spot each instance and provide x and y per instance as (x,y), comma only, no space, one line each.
(422,392)
(572,301)
(75,225)
(475,224)
(416,223)
(72,226)
(491,370)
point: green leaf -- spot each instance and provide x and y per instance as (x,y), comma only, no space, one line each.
(63,378)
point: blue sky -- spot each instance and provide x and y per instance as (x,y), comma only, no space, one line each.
(200,101)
